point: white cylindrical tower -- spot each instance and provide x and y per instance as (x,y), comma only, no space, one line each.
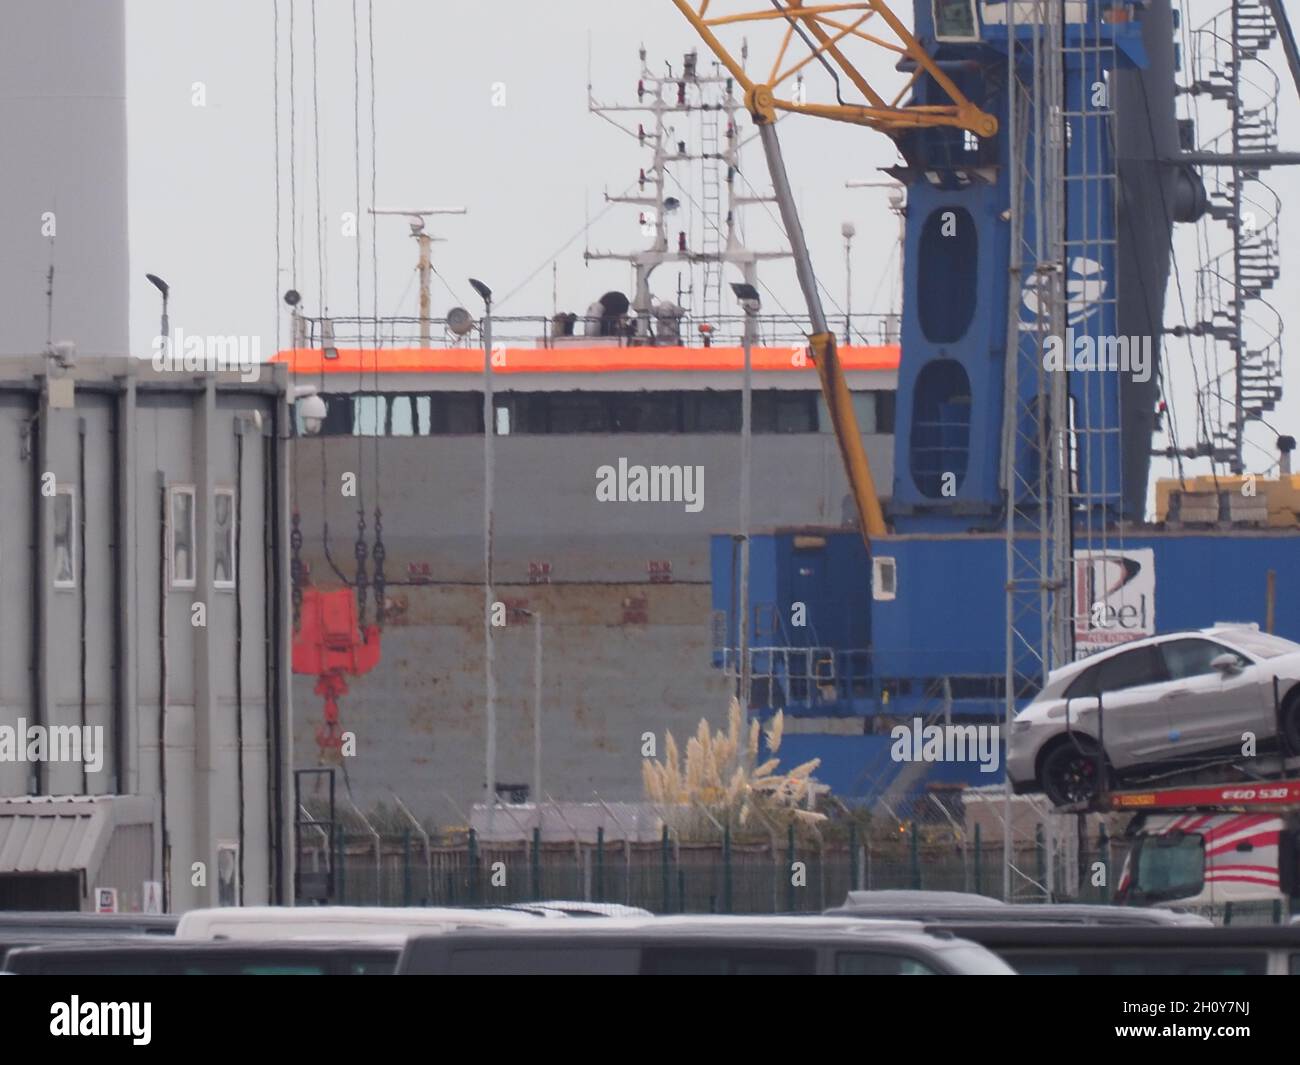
(63,180)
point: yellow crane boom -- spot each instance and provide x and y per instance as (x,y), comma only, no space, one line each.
(826,29)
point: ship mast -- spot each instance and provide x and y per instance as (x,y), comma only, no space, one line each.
(659,98)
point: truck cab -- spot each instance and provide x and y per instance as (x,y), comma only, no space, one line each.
(1209,847)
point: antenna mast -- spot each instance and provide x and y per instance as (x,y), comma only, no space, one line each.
(659,97)
(424,241)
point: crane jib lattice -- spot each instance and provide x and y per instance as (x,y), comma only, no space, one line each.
(826,33)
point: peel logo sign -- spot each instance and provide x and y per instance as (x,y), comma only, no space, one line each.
(1114,598)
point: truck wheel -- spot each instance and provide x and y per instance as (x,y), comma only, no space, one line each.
(1291,723)
(1069,773)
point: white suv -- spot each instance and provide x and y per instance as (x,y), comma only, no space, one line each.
(1184,696)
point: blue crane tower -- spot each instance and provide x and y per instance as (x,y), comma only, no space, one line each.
(1088,156)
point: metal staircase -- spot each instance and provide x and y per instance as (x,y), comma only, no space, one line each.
(1231,308)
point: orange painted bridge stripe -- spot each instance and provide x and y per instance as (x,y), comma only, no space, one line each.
(312,361)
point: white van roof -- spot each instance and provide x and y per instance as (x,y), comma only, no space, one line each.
(339,922)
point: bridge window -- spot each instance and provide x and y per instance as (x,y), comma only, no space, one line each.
(711,412)
(647,412)
(778,411)
(659,412)
(954,20)
(400,421)
(579,412)
(940,444)
(369,415)
(948,268)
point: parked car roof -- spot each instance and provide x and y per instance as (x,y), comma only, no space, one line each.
(1191,936)
(75,923)
(337,922)
(1222,630)
(1059,950)
(179,956)
(612,946)
(568,908)
(960,906)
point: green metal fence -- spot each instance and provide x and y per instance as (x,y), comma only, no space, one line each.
(793,875)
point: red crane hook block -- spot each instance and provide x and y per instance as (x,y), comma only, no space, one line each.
(330,645)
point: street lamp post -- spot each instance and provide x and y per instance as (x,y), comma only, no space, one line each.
(849,231)
(536,615)
(165,289)
(747,294)
(489,429)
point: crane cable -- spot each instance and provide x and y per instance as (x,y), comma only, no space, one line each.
(295,532)
(378,553)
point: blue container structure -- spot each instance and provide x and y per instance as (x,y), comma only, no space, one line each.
(847,661)
(860,664)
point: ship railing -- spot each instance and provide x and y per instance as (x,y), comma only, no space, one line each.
(771,330)
(809,677)
(782,676)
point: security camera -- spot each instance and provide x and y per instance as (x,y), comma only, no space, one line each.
(64,353)
(311,411)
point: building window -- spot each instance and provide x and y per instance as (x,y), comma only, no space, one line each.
(400,421)
(459,414)
(338,416)
(65,537)
(884,578)
(781,411)
(885,406)
(369,415)
(571,412)
(864,410)
(180,535)
(646,412)
(711,412)
(228,873)
(223,552)
(579,412)
(955,20)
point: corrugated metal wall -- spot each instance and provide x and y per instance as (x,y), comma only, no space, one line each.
(115,443)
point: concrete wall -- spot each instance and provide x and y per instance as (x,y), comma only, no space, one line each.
(137,432)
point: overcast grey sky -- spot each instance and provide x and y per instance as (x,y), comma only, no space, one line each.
(203,186)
